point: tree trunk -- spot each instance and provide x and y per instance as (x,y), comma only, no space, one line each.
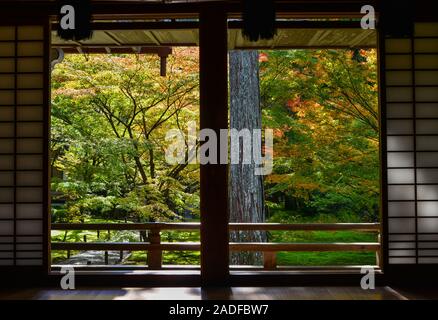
(151,163)
(140,168)
(137,158)
(246,188)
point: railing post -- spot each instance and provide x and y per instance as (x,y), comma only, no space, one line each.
(269,260)
(106,258)
(379,252)
(155,256)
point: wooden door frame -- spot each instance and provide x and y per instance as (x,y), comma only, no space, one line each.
(214,113)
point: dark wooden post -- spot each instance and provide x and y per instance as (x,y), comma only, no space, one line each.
(154,256)
(106,258)
(379,252)
(163,65)
(269,260)
(214,115)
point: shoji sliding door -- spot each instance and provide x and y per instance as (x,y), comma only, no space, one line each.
(409,69)
(23,144)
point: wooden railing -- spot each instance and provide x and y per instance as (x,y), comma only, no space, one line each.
(155,247)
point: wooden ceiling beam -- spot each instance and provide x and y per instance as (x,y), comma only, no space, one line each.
(73,49)
(232,24)
(129,9)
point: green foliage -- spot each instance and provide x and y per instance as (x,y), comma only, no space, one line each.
(322,105)
(326,258)
(110,114)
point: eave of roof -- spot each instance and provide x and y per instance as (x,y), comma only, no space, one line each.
(290,34)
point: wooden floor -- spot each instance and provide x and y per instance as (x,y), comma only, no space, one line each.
(235,293)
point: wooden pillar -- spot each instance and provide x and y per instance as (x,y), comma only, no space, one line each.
(270,260)
(214,115)
(163,66)
(155,257)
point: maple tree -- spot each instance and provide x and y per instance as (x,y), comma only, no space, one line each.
(324,109)
(110,114)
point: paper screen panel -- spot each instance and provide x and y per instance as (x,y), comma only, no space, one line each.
(22,103)
(411,102)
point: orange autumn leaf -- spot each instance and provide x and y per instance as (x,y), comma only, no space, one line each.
(263,57)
